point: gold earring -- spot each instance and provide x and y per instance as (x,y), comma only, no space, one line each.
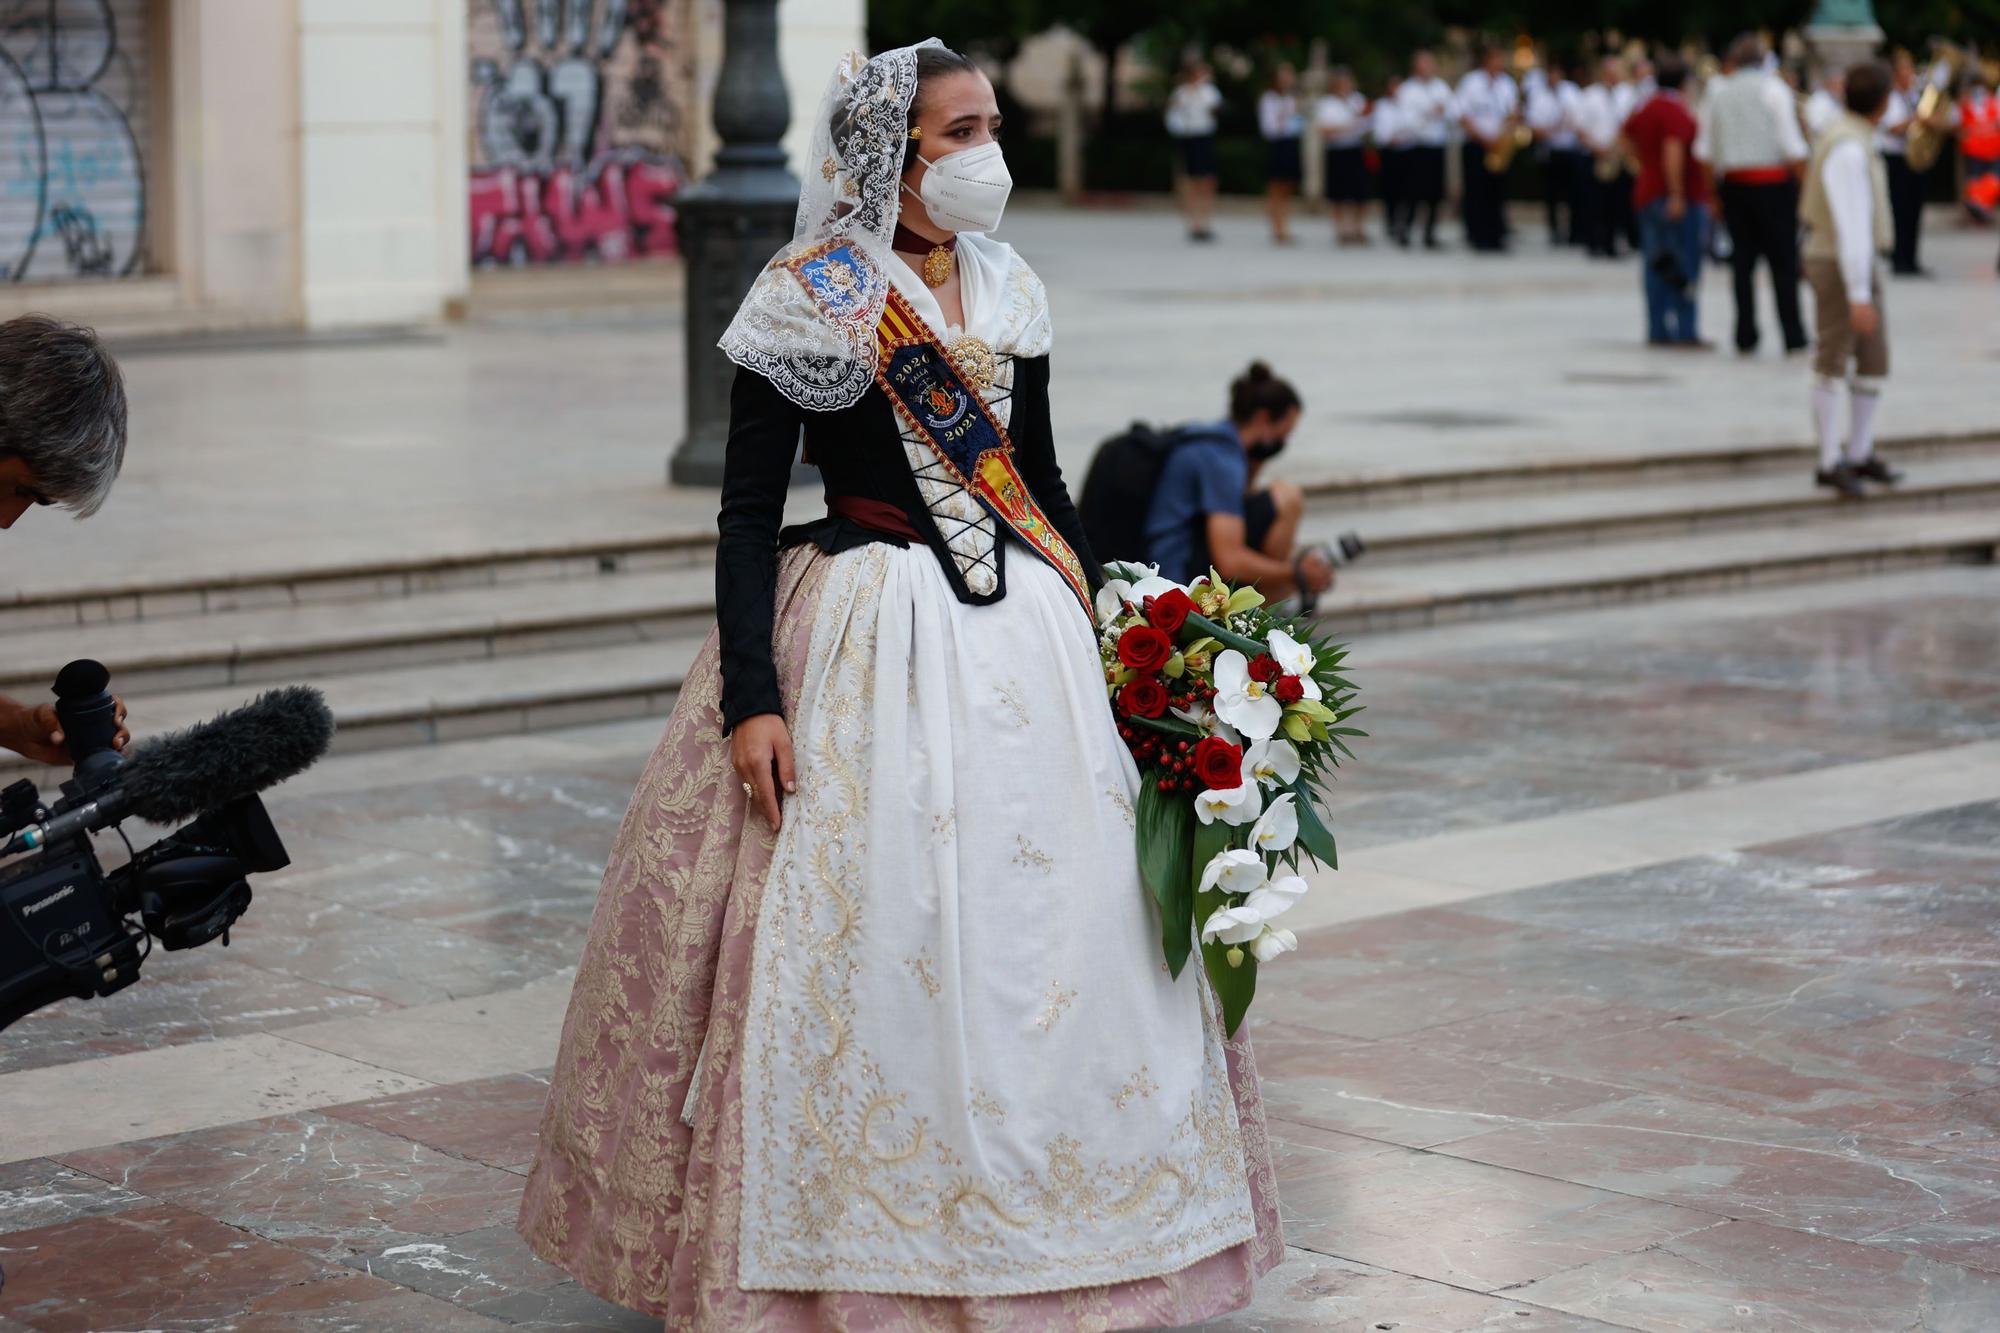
(916,131)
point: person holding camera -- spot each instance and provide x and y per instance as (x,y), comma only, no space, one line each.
(62,442)
(1207,511)
(1671,197)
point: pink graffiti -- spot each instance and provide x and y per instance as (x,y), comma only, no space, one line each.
(619,208)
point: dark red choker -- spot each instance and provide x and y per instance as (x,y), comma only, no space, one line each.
(937,264)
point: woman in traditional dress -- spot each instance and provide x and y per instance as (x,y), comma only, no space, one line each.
(871,1031)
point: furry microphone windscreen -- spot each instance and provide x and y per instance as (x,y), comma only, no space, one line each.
(186,773)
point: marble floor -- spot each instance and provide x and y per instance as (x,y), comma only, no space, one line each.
(1662,993)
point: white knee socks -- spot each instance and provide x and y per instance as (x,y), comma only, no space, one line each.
(1862,400)
(1826,420)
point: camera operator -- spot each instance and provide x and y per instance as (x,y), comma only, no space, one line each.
(1207,511)
(62,442)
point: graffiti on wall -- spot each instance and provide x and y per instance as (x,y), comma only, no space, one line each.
(72,178)
(579,128)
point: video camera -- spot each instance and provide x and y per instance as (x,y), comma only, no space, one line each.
(66,927)
(1342,550)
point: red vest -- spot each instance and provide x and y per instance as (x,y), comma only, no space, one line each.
(1979,129)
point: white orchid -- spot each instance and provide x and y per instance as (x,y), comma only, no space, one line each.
(1111,598)
(1277,828)
(1235,871)
(1273,762)
(1235,806)
(1296,659)
(1272,943)
(1201,716)
(1248,920)
(1243,703)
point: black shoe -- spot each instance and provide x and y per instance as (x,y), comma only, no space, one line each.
(1877,471)
(1841,479)
(1914,271)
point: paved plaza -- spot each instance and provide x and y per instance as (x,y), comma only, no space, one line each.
(540,429)
(1659,987)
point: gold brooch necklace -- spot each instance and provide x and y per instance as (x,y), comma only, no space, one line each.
(938,258)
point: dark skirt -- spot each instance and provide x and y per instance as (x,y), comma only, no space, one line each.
(1197,154)
(1282,160)
(1347,175)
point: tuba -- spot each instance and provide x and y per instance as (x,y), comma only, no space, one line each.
(1923,142)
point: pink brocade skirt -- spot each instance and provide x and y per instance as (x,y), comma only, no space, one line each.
(643,1208)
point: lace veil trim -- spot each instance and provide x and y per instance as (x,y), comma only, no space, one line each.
(851,194)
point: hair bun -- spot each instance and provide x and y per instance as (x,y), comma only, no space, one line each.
(1259,373)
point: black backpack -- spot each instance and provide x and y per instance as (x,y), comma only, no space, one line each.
(1118,491)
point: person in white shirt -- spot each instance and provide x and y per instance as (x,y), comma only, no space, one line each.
(1342,121)
(1906,183)
(1750,140)
(1825,106)
(1549,95)
(1487,103)
(1392,143)
(1191,111)
(1283,128)
(1845,209)
(1424,106)
(1598,121)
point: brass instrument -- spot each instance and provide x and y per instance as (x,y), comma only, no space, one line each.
(1923,142)
(1513,138)
(1620,159)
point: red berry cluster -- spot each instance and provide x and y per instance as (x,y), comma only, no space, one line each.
(1155,751)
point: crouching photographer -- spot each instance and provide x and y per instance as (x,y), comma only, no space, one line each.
(62,442)
(1188,499)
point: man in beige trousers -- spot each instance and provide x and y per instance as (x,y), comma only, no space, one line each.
(1845,209)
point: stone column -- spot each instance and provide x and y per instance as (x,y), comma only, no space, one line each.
(1841,33)
(732,223)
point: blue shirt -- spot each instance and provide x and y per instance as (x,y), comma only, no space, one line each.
(1206,472)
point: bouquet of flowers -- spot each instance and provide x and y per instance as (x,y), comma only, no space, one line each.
(1237,717)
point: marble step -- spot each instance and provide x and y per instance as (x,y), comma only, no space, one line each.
(1496,567)
(1488,524)
(317,639)
(1493,504)
(534,690)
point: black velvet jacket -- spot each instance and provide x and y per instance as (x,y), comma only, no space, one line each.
(859,452)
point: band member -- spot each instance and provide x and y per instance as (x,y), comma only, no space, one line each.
(1487,104)
(1906,180)
(1424,105)
(1391,136)
(1342,121)
(1845,209)
(1598,123)
(877,884)
(1191,109)
(1550,95)
(1283,126)
(1752,145)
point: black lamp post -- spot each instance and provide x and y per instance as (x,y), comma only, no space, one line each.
(732,223)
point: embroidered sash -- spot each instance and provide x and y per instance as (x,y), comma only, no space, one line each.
(929,391)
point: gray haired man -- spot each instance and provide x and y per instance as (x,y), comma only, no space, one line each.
(62,442)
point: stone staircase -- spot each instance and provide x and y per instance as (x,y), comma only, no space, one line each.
(528,639)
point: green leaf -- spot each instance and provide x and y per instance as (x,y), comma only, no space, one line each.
(1313,832)
(1165,827)
(1172,726)
(1208,840)
(1226,635)
(1235,987)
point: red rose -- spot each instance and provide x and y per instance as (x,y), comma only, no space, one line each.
(1264,668)
(1218,764)
(1144,648)
(1170,610)
(1288,690)
(1145,697)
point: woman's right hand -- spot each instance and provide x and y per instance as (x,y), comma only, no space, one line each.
(761,750)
